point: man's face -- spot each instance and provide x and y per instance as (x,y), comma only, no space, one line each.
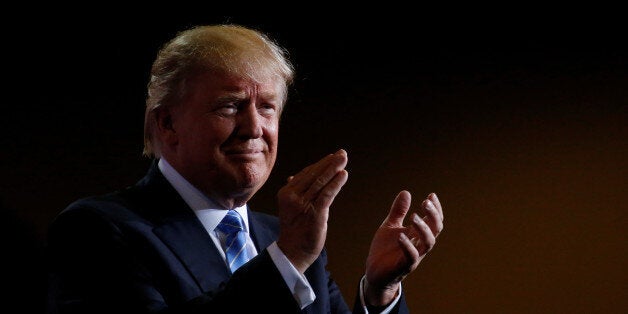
(226,133)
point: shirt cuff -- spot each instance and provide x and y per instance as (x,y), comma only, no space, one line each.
(297,283)
(387,309)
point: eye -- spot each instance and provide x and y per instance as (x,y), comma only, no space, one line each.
(267,109)
(228,109)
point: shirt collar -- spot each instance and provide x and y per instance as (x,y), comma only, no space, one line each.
(207,210)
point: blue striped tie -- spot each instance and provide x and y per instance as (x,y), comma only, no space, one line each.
(232,226)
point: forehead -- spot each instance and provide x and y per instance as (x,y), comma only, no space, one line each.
(220,83)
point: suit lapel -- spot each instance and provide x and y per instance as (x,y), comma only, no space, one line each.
(261,233)
(185,238)
(179,228)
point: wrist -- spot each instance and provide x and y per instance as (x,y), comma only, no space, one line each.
(379,296)
(299,260)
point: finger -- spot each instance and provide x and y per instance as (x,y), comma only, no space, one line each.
(432,217)
(329,192)
(304,179)
(399,209)
(432,197)
(325,175)
(289,178)
(410,251)
(301,175)
(425,239)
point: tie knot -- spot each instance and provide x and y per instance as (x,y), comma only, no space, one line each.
(232,223)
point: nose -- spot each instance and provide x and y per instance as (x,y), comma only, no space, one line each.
(249,122)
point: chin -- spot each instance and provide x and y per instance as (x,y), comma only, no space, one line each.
(250,184)
(251,174)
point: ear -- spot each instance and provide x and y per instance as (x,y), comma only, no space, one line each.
(165,127)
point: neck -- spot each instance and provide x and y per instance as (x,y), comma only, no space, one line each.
(229,201)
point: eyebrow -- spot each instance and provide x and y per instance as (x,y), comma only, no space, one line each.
(231,97)
(237,94)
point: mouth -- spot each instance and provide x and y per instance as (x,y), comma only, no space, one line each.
(244,153)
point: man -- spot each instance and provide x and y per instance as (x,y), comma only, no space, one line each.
(215,97)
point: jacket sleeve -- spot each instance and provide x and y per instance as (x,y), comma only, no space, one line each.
(400,308)
(336,302)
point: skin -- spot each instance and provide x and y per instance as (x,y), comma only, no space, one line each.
(396,250)
(223,139)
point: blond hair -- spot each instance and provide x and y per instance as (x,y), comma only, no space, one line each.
(230,49)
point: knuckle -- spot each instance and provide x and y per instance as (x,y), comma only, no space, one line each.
(327,194)
(291,198)
(319,182)
(429,243)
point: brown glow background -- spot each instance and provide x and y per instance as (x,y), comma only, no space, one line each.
(520,127)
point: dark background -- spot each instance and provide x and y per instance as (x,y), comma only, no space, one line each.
(517,119)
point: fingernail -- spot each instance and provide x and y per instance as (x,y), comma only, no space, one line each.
(416,218)
(402,237)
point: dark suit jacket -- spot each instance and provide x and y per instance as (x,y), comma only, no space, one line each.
(142,250)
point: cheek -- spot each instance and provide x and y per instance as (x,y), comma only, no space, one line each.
(272,132)
(208,137)
(216,130)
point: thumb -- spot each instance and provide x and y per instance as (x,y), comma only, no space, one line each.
(399,209)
